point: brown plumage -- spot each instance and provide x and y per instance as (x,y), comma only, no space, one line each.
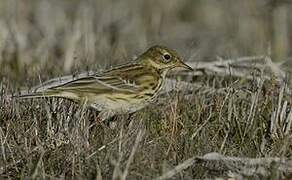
(124,89)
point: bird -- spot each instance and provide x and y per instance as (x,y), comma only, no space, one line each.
(120,90)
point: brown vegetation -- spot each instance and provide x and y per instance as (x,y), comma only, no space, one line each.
(231,115)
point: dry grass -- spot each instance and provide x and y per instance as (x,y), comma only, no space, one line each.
(56,139)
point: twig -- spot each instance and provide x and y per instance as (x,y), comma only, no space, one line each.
(177,169)
(242,167)
(137,141)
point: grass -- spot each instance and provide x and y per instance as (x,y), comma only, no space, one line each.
(50,138)
(56,139)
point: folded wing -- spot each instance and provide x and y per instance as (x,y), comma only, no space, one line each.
(98,84)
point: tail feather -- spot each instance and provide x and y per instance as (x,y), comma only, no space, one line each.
(35,95)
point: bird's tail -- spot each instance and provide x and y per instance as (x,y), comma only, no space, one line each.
(36,95)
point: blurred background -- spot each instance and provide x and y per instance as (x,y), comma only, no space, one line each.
(40,38)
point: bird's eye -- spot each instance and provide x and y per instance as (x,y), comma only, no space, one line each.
(166,57)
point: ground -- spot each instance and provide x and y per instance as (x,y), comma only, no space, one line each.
(53,138)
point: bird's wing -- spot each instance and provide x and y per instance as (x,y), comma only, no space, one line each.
(98,84)
(121,79)
(114,80)
(59,81)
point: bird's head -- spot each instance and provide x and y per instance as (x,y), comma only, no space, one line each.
(163,58)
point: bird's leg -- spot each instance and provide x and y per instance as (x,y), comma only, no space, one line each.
(97,120)
(112,122)
(128,121)
(104,115)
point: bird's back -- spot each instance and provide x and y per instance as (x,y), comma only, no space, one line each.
(144,81)
(125,88)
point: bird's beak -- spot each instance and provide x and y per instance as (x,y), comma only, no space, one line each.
(185,66)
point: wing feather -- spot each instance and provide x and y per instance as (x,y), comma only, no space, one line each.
(97,84)
(115,80)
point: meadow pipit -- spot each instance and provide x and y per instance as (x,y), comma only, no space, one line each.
(124,89)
